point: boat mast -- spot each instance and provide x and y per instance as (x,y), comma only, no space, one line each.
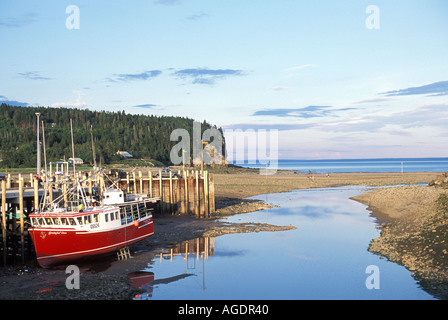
(45,162)
(38,145)
(45,152)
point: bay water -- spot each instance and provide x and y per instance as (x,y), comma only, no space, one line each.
(357,165)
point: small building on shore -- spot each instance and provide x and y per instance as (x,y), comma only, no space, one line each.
(124,154)
(76,160)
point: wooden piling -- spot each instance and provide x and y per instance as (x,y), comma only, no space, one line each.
(90,186)
(197,209)
(22,224)
(140,177)
(150,183)
(186,206)
(171,201)
(50,191)
(161,192)
(127,182)
(211,193)
(4,220)
(134,186)
(64,192)
(206,194)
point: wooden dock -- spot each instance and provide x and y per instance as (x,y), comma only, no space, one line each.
(189,192)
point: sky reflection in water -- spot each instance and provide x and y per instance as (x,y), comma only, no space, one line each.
(324,258)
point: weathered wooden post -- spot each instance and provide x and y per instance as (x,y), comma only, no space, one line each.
(206,202)
(134,186)
(50,191)
(90,187)
(140,177)
(186,193)
(127,182)
(4,220)
(64,192)
(171,193)
(161,192)
(212,193)
(22,225)
(150,183)
(197,209)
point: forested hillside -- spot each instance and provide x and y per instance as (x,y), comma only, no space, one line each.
(142,136)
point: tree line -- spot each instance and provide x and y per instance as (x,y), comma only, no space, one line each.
(143,136)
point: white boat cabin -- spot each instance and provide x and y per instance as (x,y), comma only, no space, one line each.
(113,196)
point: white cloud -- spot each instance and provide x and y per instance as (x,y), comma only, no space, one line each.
(293,71)
(279,88)
(79,103)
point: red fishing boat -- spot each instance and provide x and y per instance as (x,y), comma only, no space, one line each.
(65,233)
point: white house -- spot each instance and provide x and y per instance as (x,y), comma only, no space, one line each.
(124,154)
(77,160)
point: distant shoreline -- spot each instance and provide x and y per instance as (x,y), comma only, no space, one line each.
(243,183)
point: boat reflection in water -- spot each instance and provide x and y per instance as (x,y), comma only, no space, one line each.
(191,251)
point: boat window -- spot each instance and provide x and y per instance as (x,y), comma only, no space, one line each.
(87,219)
(106,217)
(112,216)
(122,215)
(72,221)
(64,221)
(135,211)
(80,220)
(56,221)
(34,221)
(96,217)
(141,209)
(40,221)
(48,221)
(116,214)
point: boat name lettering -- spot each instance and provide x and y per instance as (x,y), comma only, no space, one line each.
(56,233)
(94,225)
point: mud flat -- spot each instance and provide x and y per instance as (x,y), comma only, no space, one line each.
(249,183)
(414,231)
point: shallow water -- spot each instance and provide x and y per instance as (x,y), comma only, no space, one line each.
(326,257)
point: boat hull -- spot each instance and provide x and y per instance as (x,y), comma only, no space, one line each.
(66,245)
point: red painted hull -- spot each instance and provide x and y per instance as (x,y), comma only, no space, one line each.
(65,245)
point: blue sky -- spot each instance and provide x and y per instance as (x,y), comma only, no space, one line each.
(310,69)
